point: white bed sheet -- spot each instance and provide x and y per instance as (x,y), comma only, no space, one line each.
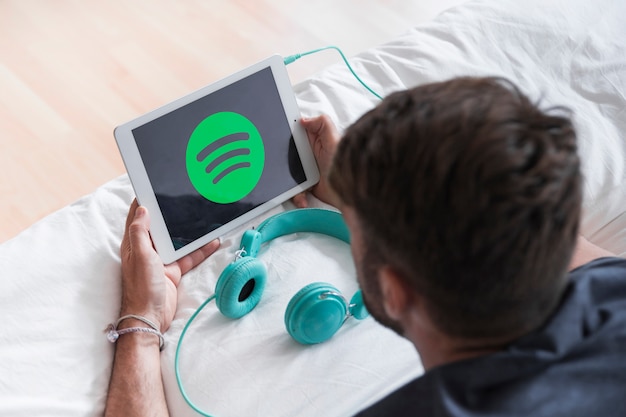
(60,281)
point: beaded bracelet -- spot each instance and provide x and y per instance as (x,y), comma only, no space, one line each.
(113,334)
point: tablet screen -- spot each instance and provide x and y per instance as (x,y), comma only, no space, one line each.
(218,157)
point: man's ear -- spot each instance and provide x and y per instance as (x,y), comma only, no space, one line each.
(396,293)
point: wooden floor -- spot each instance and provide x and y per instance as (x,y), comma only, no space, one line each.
(72,70)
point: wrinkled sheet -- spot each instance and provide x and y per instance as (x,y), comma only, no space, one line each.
(60,282)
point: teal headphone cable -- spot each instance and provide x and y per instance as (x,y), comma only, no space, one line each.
(291,58)
(176,358)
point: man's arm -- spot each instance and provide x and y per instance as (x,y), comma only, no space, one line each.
(149,290)
(136,387)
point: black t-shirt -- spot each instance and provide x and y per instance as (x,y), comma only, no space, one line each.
(575,365)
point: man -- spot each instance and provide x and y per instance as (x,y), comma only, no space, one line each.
(463,202)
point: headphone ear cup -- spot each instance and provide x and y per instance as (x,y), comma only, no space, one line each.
(315,313)
(240,286)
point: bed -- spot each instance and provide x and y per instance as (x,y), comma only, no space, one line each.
(60,283)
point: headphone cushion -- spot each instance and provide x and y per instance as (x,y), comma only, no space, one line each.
(240,287)
(315,313)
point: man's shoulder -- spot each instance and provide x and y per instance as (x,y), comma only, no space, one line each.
(610,266)
(599,284)
(582,348)
(413,399)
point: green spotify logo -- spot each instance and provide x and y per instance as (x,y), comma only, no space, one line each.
(225,157)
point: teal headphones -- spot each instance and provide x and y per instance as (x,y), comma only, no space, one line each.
(318,310)
(313,315)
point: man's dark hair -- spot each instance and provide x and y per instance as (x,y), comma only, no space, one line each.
(473,194)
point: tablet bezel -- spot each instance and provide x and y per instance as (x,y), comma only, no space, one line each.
(141,183)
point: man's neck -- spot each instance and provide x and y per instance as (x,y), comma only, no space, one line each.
(434,355)
(437,348)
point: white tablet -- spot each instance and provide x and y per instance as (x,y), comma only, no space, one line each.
(218,157)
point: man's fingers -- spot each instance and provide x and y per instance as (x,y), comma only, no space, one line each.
(321,132)
(131,213)
(313,124)
(138,230)
(318,126)
(192,260)
(300,201)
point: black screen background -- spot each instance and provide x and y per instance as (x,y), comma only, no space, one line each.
(162,144)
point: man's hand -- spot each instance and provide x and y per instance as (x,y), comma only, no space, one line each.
(323,137)
(148,290)
(148,286)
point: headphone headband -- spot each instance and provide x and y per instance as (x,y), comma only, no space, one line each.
(315,220)
(318,310)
